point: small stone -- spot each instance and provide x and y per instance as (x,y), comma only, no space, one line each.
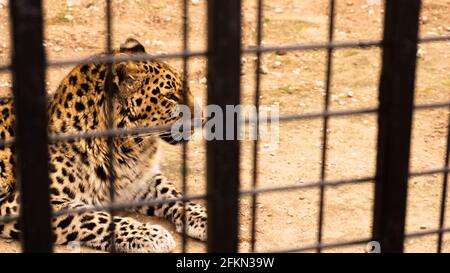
(278,10)
(203,80)
(289,222)
(158,43)
(277,64)
(69,17)
(350,94)
(420,53)
(281,52)
(320,84)
(195,2)
(72,3)
(263,70)
(423,227)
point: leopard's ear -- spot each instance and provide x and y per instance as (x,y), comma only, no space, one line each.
(127,78)
(132,45)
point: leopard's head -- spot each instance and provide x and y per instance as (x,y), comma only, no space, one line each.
(149,93)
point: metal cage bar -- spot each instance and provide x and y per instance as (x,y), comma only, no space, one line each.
(444,191)
(331,15)
(259,33)
(184,148)
(224,68)
(110,122)
(396,98)
(31,125)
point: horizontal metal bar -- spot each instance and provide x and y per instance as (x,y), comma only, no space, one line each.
(429,172)
(113,206)
(292,117)
(5,67)
(108,59)
(324,246)
(115,132)
(428,39)
(121,206)
(326,183)
(432,105)
(142,57)
(335,45)
(427,232)
(122,132)
(118,132)
(262,49)
(314,46)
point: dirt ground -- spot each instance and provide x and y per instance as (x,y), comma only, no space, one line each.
(295,82)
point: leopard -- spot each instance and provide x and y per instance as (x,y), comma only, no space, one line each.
(143,94)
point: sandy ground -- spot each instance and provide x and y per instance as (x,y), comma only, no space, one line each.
(295,83)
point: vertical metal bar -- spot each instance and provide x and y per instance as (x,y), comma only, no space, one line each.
(325,123)
(395,122)
(185,31)
(256,101)
(110,108)
(444,192)
(31,124)
(224,66)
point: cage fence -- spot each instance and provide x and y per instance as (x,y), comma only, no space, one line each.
(395,112)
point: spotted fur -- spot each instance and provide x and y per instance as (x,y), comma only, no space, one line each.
(146,93)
